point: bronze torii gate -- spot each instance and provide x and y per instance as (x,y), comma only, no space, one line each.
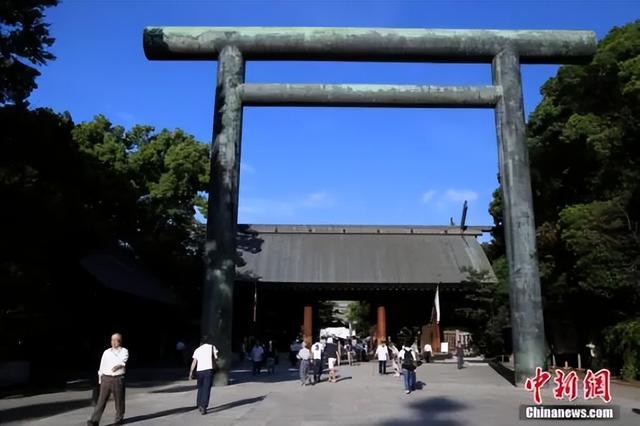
(505,50)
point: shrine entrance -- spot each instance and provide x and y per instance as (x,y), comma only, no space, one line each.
(288,270)
(505,50)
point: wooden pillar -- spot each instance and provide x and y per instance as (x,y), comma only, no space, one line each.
(307,327)
(435,337)
(381,328)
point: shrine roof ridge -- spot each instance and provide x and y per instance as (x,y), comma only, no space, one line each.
(364,229)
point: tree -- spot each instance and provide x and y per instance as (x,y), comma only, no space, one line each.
(359,314)
(71,189)
(24,40)
(486,308)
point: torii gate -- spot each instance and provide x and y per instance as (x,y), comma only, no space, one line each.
(505,50)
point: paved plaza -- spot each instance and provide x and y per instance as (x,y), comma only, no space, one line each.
(475,395)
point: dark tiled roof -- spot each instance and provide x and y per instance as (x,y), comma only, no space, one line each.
(420,255)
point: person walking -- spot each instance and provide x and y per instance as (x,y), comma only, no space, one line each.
(408,360)
(271,356)
(304,355)
(316,359)
(204,362)
(257,353)
(460,355)
(382,353)
(394,359)
(316,353)
(111,380)
(348,350)
(294,348)
(428,352)
(331,352)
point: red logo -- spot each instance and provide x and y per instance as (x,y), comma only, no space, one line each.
(534,384)
(566,385)
(598,385)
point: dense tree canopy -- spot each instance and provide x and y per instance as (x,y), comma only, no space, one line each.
(24,40)
(71,189)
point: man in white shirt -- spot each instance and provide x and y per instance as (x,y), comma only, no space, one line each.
(316,352)
(203,362)
(428,351)
(304,355)
(382,353)
(111,379)
(257,355)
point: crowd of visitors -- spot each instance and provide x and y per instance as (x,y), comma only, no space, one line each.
(309,358)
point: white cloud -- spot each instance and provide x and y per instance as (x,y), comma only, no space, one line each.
(270,210)
(428,196)
(458,196)
(317,200)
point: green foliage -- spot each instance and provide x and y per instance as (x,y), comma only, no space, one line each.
(24,40)
(359,314)
(76,188)
(622,343)
(584,159)
(486,308)
(326,312)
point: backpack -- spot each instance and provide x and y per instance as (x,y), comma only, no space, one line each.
(408,361)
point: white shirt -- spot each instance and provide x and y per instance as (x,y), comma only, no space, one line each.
(304,354)
(203,355)
(316,349)
(427,348)
(112,357)
(256,353)
(382,352)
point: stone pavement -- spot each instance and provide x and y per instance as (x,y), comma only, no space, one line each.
(475,395)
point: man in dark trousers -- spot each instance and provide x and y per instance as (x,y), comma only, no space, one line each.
(204,358)
(111,379)
(460,355)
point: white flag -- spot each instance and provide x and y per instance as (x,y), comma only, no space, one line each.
(436,304)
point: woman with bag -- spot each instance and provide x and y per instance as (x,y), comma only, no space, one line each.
(205,364)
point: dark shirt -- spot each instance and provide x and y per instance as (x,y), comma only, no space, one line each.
(331,350)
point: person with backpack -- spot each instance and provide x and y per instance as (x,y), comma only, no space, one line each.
(408,360)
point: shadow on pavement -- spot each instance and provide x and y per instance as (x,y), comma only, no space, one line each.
(177,389)
(42,410)
(245,376)
(237,403)
(159,414)
(430,412)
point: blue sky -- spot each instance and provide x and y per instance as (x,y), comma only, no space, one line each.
(313,165)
